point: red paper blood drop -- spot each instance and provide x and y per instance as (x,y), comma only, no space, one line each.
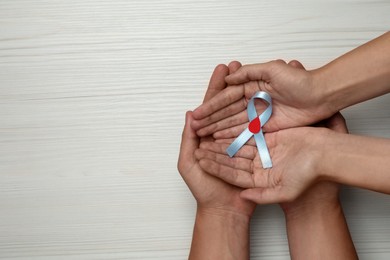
(255,125)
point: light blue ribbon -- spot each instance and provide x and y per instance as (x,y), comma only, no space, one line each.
(259,137)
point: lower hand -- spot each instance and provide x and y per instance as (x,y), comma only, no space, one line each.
(212,194)
(294,153)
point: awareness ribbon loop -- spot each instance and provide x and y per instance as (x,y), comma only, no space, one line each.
(255,129)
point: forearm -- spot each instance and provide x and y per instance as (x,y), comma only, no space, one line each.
(319,232)
(220,235)
(359,75)
(356,160)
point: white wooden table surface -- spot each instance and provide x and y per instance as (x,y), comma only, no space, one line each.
(92,103)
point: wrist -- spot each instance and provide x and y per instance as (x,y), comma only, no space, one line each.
(222,216)
(315,139)
(320,195)
(321,147)
(220,234)
(319,232)
(327,93)
(319,208)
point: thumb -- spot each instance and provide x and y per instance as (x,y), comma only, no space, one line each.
(189,143)
(247,73)
(261,195)
(261,71)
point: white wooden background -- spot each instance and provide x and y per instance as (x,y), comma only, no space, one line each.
(92,103)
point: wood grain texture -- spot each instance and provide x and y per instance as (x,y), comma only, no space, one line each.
(92,102)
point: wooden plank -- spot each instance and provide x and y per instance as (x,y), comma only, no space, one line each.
(92,102)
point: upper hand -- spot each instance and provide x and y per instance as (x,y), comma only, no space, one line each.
(297,100)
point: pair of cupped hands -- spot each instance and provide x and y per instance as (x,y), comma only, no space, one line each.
(299,125)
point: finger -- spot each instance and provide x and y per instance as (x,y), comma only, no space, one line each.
(337,123)
(237,119)
(217,81)
(263,195)
(230,116)
(253,72)
(214,147)
(224,141)
(296,64)
(231,132)
(189,143)
(234,66)
(230,110)
(224,98)
(246,151)
(237,163)
(230,175)
(251,141)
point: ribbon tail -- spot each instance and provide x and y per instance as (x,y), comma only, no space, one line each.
(239,142)
(263,150)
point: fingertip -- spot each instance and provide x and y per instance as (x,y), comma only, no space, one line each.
(201,132)
(189,117)
(234,63)
(216,82)
(234,66)
(195,125)
(221,68)
(220,71)
(293,62)
(243,74)
(188,124)
(231,78)
(217,135)
(272,126)
(200,112)
(247,195)
(197,113)
(266,128)
(296,64)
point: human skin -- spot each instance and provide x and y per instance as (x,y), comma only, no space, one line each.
(315,153)
(315,222)
(222,233)
(316,226)
(222,221)
(299,97)
(301,157)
